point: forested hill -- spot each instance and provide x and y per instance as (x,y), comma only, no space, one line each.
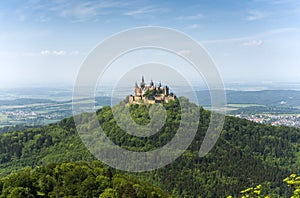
(75,180)
(246,153)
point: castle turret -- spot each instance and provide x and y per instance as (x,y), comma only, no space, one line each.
(151,83)
(166,91)
(142,84)
(137,90)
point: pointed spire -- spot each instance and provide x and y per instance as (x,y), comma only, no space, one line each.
(136,85)
(151,83)
(142,84)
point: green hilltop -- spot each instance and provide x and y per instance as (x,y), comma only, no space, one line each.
(246,154)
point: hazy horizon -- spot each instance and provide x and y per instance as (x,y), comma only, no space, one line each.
(238,85)
(44,43)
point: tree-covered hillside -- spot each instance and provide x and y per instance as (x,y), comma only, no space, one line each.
(74,180)
(246,154)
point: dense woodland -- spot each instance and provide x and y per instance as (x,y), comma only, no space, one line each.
(247,154)
(74,180)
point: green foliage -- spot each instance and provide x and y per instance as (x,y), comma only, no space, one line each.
(140,113)
(294,181)
(74,180)
(255,192)
(109,193)
(152,93)
(245,154)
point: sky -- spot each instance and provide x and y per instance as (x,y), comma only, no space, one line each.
(44,42)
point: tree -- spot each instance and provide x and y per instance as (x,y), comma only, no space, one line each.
(294,181)
(20,192)
(109,193)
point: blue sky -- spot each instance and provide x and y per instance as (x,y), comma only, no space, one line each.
(44,42)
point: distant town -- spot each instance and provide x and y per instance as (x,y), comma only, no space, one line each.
(274,120)
(27,117)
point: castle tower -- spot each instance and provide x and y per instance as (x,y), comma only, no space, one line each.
(137,90)
(166,91)
(142,84)
(151,83)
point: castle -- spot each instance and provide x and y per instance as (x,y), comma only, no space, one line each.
(150,94)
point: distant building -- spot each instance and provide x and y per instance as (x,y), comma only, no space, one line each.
(150,94)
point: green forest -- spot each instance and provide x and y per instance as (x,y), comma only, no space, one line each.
(71,179)
(249,159)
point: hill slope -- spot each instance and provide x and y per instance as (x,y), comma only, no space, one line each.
(246,154)
(74,180)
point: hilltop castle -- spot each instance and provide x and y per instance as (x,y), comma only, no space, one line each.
(150,94)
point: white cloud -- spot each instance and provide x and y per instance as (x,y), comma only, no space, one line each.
(254,15)
(75,10)
(144,10)
(59,53)
(255,37)
(191,17)
(50,53)
(253,43)
(43,19)
(45,52)
(226,40)
(276,2)
(80,11)
(282,30)
(193,26)
(53,53)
